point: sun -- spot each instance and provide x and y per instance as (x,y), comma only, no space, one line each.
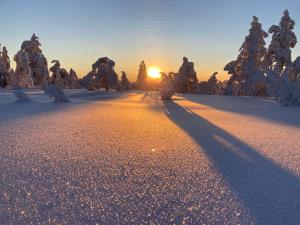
(154,72)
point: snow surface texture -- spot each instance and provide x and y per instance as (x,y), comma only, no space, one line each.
(122,158)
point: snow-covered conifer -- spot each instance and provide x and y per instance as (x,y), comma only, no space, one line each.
(141,82)
(5,70)
(278,59)
(283,39)
(249,61)
(213,84)
(125,84)
(186,80)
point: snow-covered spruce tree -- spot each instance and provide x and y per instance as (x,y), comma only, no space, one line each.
(231,86)
(296,71)
(141,82)
(213,85)
(248,63)
(73,79)
(289,84)
(125,84)
(5,70)
(210,87)
(279,52)
(283,39)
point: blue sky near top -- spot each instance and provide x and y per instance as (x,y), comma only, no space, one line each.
(78,32)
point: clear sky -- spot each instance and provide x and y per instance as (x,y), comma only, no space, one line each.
(78,32)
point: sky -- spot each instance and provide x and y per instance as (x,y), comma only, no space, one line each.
(161,32)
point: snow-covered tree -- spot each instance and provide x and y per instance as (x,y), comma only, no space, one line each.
(283,39)
(212,86)
(142,76)
(166,86)
(111,75)
(125,84)
(259,84)
(55,92)
(289,91)
(73,79)
(278,59)
(102,75)
(296,71)
(232,84)
(61,78)
(288,85)
(22,76)
(249,62)
(5,70)
(21,96)
(186,80)
(57,74)
(5,58)
(37,61)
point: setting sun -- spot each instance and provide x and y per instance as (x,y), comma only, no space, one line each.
(154,72)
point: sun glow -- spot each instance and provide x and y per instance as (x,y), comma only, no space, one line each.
(154,72)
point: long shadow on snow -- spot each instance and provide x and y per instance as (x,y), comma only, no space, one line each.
(96,95)
(22,110)
(253,106)
(269,192)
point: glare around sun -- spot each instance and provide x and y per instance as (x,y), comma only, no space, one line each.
(154,72)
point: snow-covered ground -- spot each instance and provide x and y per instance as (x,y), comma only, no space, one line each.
(129,158)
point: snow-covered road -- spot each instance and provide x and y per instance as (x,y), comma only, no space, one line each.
(132,159)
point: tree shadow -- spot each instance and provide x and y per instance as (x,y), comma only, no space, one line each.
(264,108)
(13,110)
(269,192)
(152,101)
(96,95)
